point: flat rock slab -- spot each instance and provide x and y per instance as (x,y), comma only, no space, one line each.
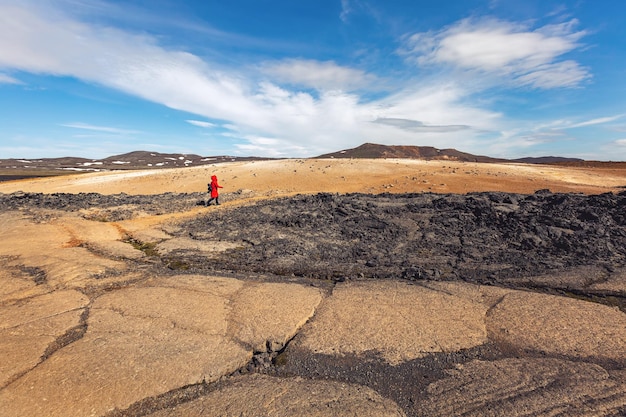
(17,283)
(59,248)
(205,247)
(526,387)
(264,396)
(267,315)
(616,283)
(559,325)
(28,327)
(397,320)
(145,341)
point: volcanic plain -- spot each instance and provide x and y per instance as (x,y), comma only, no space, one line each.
(318,287)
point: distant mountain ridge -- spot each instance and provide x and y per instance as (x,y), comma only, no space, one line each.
(155,160)
(130,160)
(547,160)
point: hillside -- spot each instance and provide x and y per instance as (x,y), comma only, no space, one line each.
(130,160)
(372,150)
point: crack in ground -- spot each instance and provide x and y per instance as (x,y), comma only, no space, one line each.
(370,370)
(261,362)
(70,336)
(521,243)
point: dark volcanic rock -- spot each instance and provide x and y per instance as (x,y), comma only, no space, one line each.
(515,240)
(483,237)
(153,204)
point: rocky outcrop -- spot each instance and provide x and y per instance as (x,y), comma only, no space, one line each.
(29,328)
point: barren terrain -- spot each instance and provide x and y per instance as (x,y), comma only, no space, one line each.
(318,287)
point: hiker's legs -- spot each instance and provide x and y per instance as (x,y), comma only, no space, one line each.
(217,201)
(208,203)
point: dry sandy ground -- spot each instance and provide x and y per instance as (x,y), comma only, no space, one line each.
(339,175)
(85,331)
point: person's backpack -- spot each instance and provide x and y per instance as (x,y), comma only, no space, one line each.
(210,188)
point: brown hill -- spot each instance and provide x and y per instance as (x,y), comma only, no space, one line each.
(373,151)
(42,167)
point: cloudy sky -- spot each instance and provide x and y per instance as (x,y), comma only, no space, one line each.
(297,78)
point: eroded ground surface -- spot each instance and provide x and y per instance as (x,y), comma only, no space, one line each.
(328,304)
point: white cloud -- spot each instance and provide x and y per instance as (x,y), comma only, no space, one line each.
(104,129)
(561,74)
(417,126)
(597,121)
(200,123)
(345,10)
(614,150)
(527,57)
(318,75)
(564,124)
(257,145)
(5,79)
(437,104)
(543,137)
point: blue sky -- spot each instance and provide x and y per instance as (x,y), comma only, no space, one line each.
(298,78)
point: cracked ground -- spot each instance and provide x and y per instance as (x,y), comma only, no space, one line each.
(406,304)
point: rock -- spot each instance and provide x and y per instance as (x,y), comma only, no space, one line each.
(484,238)
(522,387)
(28,327)
(145,341)
(614,282)
(94,327)
(54,249)
(563,278)
(206,248)
(487,295)
(19,282)
(268,315)
(559,325)
(102,239)
(264,396)
(397,320)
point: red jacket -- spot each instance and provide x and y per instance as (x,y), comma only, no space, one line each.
(214,186)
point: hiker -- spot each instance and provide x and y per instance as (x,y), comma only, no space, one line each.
(214,194)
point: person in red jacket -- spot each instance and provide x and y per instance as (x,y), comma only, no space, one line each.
(215,195)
